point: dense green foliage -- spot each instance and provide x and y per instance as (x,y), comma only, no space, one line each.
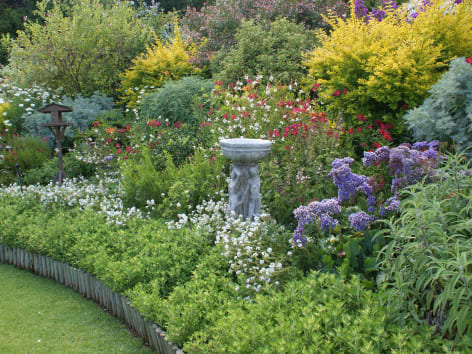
(46,173)
(426,266)
(268,49)
(81,47)
(447,113)
(175,100)
(174,189)
(27,152)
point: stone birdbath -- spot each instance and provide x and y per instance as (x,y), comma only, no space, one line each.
(245,185)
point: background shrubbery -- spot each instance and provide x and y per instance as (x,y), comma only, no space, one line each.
(447,113)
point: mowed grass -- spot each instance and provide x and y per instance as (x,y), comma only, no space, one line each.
(38,315)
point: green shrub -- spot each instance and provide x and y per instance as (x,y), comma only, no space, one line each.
(84,111)
(81,46)
(174,190)
(193,306)
(321,313)
(174,101)
(427,263)
(268,49)
(447,113)
(379,69)
(27,152)
(46,173)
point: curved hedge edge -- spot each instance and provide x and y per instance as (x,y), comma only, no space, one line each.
(91,288)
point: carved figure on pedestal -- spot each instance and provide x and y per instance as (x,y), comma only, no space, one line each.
(254,202)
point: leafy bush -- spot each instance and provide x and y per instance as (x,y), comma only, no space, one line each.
(174,101)
(84,111)
(447,113)
(44,174)
(27,152)
(427,263)
(14,13)
(267,49)
(216,25)
(321,313)
(163,61)
(381,68)
(173,190)
(82,46)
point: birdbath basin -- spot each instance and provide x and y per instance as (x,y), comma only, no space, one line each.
(245,150)
(244,187)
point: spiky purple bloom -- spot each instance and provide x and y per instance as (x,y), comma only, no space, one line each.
(361,220)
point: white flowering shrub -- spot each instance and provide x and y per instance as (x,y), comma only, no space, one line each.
(104,197)
(255,250)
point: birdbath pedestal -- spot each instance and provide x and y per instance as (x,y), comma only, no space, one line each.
(245,185)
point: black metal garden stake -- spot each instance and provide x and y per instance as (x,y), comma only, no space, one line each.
(57,128)
(20,176)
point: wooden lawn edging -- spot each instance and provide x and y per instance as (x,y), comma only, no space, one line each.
(91,288)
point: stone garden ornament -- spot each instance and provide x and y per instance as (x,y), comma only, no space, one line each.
(244,188)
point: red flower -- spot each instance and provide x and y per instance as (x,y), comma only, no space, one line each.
(350,131)
(336,93)
(344,91)
(128,149)
(359,129)
(225,116)
(287,147)
(178,124)
(127,127)
(316,86)
(469,60)
(369,126)
(377,145)
(361,117)
(117,146)
(118,151)
(96,124)
(364,145)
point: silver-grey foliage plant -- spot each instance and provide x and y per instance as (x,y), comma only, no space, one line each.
(447,114)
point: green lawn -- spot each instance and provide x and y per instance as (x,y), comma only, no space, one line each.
(38,315)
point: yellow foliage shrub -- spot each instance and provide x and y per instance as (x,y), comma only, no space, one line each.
(381,68)
(161,62)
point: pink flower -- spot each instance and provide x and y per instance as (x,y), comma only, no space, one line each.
(361,117)
(468,60)
(336,93)
(316,86)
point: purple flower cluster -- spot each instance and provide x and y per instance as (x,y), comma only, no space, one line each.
(316,211)
(361,10)
(349,184)
(407,163)
(361,220)
(391,204)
